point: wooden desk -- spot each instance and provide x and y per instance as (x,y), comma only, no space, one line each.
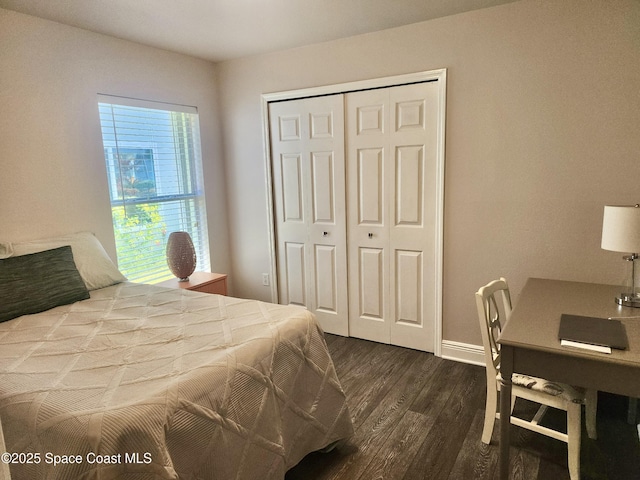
(529,344)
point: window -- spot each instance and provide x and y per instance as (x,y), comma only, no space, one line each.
(154,169)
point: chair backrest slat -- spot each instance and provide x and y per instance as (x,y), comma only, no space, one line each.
(494,308)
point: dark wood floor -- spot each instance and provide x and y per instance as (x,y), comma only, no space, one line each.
(417,416)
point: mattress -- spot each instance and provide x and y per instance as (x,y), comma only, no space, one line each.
(145,382)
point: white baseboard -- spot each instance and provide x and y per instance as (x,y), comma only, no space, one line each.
(463,352)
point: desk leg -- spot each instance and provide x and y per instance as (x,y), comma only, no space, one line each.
(506,370)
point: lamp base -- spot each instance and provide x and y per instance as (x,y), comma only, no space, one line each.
(629,300)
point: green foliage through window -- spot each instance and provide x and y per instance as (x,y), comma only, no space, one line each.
(140,232)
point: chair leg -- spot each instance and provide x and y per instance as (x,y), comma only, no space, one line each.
(590,410)
(574,428)
(489,414)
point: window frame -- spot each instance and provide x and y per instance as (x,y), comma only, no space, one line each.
(183,193)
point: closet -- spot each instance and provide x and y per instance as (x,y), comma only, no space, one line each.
(356,183)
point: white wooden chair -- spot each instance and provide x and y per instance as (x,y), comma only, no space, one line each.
(494,308)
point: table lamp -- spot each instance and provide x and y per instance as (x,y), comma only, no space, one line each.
(621,233)
(181,255)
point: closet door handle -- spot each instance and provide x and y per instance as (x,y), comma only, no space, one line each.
(325,234)
(370,235)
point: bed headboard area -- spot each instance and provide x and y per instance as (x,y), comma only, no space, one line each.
(42,274)
(94,265)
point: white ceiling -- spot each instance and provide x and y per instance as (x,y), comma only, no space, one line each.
(220,30)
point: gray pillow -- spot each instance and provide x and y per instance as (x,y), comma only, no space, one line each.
(39,281)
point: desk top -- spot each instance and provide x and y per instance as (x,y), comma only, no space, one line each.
(535,319)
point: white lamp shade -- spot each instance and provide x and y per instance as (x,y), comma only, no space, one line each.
(621,228)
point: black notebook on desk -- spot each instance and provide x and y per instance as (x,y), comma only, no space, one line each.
(594,331)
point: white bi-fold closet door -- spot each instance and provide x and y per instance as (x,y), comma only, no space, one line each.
(356,202)
(392,145)
(307,145)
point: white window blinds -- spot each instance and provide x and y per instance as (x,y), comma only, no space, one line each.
(154,169)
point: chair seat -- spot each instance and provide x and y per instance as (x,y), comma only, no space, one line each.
(555,389)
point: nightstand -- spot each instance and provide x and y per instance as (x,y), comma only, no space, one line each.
(200,282)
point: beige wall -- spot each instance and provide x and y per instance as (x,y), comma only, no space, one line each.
(542,131)
(543,113)
(52,173)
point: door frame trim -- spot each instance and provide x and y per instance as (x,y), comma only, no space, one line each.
(440,76)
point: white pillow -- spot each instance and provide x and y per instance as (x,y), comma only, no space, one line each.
(95,267)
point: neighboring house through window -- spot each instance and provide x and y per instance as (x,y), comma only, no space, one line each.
(154,169)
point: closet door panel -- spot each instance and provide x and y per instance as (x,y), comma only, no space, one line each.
(327,213)
(372,298)
(412,235)
(409,188)
(307,135)
(391,147)
(323,186)
(326,284)
(370,177)
(292,187)
(290,202)
(369,302)
(367,120)
(294,266)
(408,288)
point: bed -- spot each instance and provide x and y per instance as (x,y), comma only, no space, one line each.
(136,381)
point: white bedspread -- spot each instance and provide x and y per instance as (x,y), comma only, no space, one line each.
(143,382)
